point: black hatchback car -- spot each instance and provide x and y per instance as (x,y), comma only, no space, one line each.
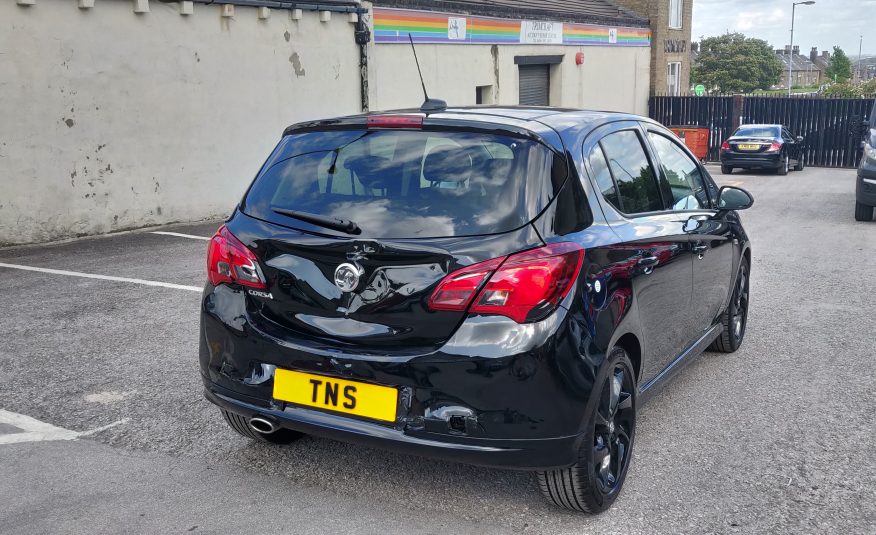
(496,286)
(762,146)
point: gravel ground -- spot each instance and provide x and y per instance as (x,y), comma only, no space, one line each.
(775,438)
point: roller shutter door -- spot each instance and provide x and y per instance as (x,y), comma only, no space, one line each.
(534,85)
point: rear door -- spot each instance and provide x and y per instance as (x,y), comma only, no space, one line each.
(710,239)
(652,237)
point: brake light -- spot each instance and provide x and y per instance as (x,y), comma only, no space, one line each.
(395,121)
(774,147)
(524,286)
(456,291)
(725,146)
(230,261)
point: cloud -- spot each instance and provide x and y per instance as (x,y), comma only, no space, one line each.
(827,23)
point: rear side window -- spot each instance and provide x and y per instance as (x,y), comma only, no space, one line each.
(601,173)
(407,184)
(632,172)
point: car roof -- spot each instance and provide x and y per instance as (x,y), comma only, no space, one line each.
(565,122)
(761,126)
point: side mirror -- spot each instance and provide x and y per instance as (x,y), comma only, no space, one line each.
(731,198)
(800,139)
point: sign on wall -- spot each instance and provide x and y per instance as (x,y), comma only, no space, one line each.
(456,28)
(394,25)
(537,32)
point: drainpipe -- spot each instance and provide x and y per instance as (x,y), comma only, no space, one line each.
(363,37)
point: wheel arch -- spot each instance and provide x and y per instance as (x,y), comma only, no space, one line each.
(630,343)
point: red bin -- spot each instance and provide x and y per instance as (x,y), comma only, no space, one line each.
(696,138)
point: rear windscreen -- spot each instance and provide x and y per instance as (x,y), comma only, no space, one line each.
(757,131)
(407,184)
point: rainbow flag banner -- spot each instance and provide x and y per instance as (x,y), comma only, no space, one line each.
(394,25)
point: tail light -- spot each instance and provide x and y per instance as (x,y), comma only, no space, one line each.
(525,286)
(774,147)
(230,261)
(725,146)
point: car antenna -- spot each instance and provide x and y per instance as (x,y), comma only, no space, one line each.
(430,105)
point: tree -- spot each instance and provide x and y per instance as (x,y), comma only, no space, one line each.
(735,63)
(840,68)
(842,90)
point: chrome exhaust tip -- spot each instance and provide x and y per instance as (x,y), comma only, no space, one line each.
(261,425)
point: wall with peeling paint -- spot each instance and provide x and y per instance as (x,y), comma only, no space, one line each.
(611,78)
(112,120)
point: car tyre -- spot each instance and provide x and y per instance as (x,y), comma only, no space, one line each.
(593,483)
(863,212)
(786,165)
(735,316)
(800,165)
(726,170)
(239,424)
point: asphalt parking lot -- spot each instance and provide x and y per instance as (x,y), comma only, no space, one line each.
(117,437)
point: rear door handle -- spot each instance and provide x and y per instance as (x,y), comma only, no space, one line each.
(647,264)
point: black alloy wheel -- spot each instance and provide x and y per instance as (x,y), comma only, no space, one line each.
(786,165)
(800,164)
(863,212)
(593,483)
(735,316)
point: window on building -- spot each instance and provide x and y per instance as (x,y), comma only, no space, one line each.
(484,94)
(676,10)
(673,79)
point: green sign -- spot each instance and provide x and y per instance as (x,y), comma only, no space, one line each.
(700,90)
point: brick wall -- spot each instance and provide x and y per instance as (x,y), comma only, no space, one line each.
(667,45)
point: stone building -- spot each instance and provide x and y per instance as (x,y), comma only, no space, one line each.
(804,72)
(670,22)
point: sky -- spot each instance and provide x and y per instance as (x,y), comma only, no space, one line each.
(825,24)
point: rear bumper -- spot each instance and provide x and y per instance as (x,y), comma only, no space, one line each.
(522,390)
(751,161)
(520,454)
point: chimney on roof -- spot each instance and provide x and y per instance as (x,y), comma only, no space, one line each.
(825,54)
(787,49)
(813,54)
(796,50)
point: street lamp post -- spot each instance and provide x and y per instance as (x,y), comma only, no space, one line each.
(791,52)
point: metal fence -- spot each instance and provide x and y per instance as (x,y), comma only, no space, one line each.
(832,127)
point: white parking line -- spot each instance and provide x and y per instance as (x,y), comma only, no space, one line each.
(102,277)
(33,430)
(178,235)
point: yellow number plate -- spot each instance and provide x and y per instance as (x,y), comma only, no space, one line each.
(339,395)
(748,147)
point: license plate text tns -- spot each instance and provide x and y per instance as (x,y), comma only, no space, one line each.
(338,395)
